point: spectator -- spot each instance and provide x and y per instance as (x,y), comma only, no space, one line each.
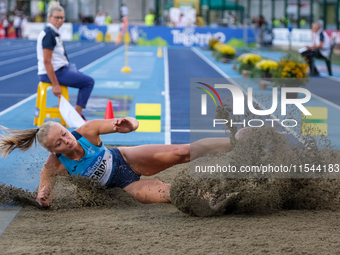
(108,19)
(320,47)
(150,19)
(41,7)
(259,22)
(124,11)
(24,22)
(182,21)
(100,19)
(5,24)
(17,24)
(81,18)
(170,23)
(53,64)
(3,8)
(39,18)
(199,21)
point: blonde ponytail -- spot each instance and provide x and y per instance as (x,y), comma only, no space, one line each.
(16,139)
(12,139)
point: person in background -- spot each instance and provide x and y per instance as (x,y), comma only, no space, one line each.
(276,23)
(41,6)
(199,21)
(259,23)
(24,22)
(124,11)
(17,24)
(170,23)
(302,22)
(182,21)
(53,63)
(5,24)
(320,48)
(108,19)
(150,19)
(3,8)
(100,19)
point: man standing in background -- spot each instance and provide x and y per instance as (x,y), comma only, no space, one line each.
(17,24)
(100,19)
(150,19)
(3,9)
(124,11)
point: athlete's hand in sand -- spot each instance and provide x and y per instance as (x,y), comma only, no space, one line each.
(45,196)
(122,125)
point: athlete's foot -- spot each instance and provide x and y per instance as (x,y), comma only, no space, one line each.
(243,132)
(219,203)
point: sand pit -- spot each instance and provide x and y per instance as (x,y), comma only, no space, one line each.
(274,216)
(133,228)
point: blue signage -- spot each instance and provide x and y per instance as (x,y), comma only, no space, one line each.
(85,32)
(190,36)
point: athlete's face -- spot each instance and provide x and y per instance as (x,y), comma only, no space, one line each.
(60,140)
(57,19)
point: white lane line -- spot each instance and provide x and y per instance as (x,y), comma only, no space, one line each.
(326,101)
(13,95)
(7,214)
(86,50)
(82,69)
(18,104)
(13,60)
(290,131)
(7,53)
(114,52)
(18,73)
(35,67)
(6,48)
(167,97)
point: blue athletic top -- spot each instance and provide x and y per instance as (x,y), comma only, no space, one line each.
(96,163)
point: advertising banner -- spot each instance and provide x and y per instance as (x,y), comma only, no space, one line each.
(33,29)
(88,32)
(334,35)
(300,37)
(190,36)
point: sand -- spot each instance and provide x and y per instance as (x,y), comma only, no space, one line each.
(268,216)
(134,228)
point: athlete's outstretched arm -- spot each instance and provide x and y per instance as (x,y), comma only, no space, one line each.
(52,167)
(116,125)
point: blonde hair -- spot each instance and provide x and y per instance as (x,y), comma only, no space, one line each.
(54,7)
(12,139)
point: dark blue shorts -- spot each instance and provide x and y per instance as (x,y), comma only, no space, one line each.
(123,175)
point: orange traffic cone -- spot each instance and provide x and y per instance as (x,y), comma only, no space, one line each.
(109,111)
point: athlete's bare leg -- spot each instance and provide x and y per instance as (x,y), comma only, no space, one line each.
(149,191)
(151,159)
